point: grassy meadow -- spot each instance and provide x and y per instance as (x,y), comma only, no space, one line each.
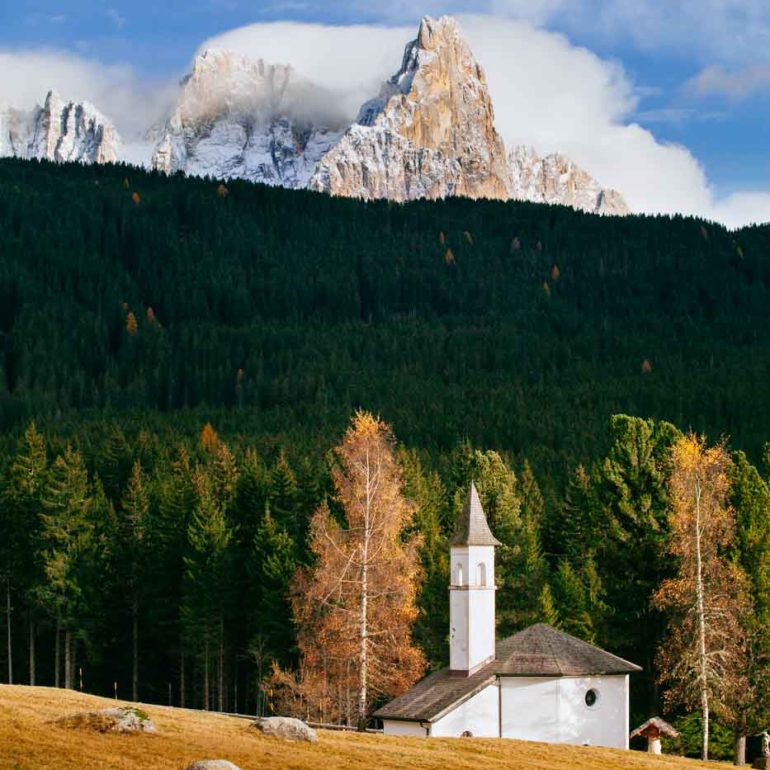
(31,740)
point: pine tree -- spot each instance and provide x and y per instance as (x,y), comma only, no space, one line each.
(276,559)
(750,499)
(67,537)
(135,510)
(209,537)
(22,505)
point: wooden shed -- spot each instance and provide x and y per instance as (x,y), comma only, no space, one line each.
(652,730)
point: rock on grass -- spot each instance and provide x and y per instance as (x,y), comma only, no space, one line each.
(124,719)
(285,727)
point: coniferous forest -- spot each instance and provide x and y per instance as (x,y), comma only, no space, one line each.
(179,358)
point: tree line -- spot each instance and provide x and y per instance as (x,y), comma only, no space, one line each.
(282,311)
(211,575)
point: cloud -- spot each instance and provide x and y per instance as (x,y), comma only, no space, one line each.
(702,30)
(735,85)
(116,90)
(547,93)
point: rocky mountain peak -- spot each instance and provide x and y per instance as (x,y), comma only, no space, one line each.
(242,117)
(556,179)
(60,131)
(429,134)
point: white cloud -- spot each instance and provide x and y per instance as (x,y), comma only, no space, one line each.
(701,30)
(116,90)
(735,85)
(547,93)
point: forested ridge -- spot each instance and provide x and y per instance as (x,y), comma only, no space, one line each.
(180,356)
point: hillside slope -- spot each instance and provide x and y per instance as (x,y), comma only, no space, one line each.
(28,740)
(517,326)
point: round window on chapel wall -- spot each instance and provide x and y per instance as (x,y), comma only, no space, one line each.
(592,698)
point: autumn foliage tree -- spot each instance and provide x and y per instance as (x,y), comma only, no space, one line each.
(355,608)
(702,659)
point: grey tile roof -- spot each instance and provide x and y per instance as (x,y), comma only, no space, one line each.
(472,527)
(536,651)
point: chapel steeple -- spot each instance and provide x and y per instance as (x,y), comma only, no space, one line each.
(472,589)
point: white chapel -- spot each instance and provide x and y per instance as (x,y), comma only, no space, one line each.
(539,684)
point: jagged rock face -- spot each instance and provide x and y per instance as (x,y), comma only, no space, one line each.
(59,131)
(242,118)
(430,133)
(556,179)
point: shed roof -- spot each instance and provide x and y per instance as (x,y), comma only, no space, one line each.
(663,727)
(539,651)
(472,527)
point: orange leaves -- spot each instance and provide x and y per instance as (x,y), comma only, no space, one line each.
(136,198)
(208,440)
(646,367)
(355,607)
(222,191)
(546,289)
(449,257)
(132,327)
(555,273)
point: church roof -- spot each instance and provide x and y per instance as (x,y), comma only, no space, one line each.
(536,651)
(472,527)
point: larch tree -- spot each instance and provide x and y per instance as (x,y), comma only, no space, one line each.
(701,660)
(356,607)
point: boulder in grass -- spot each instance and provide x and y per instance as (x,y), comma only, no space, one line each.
(122,719)
(285,727)
(212,764)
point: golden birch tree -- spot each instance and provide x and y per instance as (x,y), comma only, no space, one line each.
(355,608)
(701,660)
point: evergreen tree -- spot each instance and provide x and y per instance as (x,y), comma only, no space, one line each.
(207,561)
(68,546)
(133,530)
(22,505)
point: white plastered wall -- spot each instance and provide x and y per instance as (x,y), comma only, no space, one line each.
(471,607)
(478,715)
(396,727)
(555,710)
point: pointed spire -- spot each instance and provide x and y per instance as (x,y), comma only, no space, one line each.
(472,527)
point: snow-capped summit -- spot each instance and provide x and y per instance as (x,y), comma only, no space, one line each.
(556,179)
(429,134)
(241,117)
(59,131)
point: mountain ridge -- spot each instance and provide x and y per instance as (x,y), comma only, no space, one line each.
(428,133)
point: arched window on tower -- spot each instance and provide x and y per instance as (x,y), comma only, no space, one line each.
(481,574)
(459,574)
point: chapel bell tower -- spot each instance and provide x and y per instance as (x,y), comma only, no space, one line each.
(472,590)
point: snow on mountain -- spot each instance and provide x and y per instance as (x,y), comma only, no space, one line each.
(59,131)
(238,117)
(556,179)
(430,133)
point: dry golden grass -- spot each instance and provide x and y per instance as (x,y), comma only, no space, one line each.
(30,740)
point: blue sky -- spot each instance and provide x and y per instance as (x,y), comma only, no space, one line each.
(699,69)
